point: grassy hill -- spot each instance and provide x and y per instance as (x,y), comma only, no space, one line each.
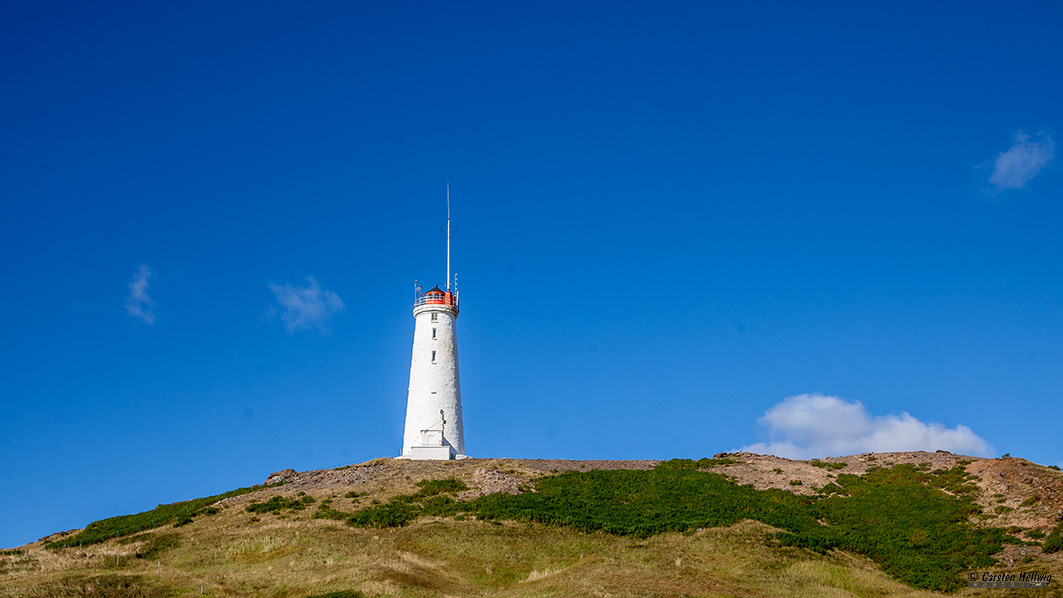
(899,524)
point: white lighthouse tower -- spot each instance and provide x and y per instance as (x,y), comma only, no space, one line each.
(433,407)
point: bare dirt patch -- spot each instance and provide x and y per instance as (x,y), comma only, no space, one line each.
(1019,492)
(396,476)
(769,471)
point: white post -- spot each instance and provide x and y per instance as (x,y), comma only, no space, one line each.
(448,236)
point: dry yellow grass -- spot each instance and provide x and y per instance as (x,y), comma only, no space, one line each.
(294,556)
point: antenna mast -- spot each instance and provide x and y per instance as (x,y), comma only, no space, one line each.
(448,236)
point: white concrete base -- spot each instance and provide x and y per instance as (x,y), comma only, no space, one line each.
(426,453)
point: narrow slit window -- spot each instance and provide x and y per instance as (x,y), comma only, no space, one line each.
(433,333)
(433,356)
(435,317)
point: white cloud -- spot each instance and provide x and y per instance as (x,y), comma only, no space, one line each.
(306,306)
(139,304)
(1023,161)
(815,425)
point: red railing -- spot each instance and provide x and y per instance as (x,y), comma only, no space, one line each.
(437,299)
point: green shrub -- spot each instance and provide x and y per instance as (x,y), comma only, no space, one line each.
(278,503)
(954,481)
(1031,501)
(325,511)
(403,509)
(126,525)
(827,466)
(691,465)
(832,488)
(643,503)
(1036,534)
(898,517)
(183,520)
(1053,543)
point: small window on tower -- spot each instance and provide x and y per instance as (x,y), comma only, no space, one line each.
(433,333)
(433,356)
(435,317)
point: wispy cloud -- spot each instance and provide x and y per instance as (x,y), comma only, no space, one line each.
(306,306)
(1022,161)
(139,304)
(815,425)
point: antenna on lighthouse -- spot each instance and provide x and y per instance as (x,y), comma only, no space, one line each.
(448,235)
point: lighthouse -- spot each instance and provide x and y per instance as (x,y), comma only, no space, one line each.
(433,406)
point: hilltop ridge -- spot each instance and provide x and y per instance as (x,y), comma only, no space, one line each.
(1007,481)
(296,535)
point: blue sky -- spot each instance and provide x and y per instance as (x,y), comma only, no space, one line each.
(682,228)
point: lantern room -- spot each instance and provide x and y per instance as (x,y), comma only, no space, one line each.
(436,296)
